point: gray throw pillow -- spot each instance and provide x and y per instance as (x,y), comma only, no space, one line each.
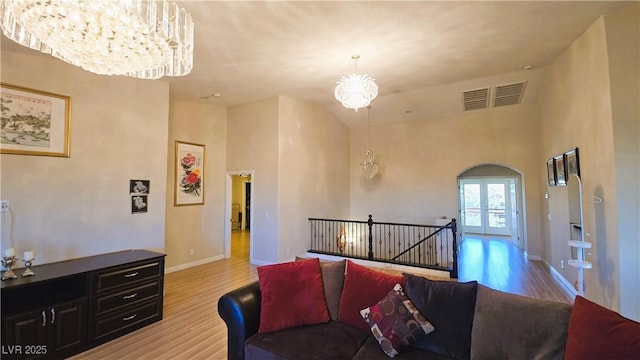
(449,306)
(333,281)
(509,326)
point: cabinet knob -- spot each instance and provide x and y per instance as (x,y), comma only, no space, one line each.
(131,275)
(129,317)
(44,318)
(53,315)
(126,297)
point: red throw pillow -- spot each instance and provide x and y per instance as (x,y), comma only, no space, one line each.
(363,287)
(596,332)
(292,295)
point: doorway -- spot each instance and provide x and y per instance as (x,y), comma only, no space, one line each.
(238,238)
(486,206)
(492,202)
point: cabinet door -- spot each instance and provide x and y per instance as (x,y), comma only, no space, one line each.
(68,327)
(24,332)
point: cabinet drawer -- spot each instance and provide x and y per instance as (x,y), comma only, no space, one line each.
(128,275)
(126,297)
(127,321)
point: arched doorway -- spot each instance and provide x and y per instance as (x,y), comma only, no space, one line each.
(491,202)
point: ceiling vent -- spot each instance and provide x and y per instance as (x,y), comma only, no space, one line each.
(475,99)
(503,95)
(510,94)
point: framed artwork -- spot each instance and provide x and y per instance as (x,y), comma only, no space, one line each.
(139,204)
(551,173)
(561,175)
(34,122)
(189,183)
(572,162)
(139,186)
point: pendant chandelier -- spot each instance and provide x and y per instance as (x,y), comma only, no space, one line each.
(356,91)
(370,166)
(145,39)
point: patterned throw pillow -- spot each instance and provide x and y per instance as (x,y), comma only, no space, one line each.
(395,322)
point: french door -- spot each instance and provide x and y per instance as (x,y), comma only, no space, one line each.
(486,206)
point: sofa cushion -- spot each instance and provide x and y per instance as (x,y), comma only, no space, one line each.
(292,295)
(332,279)
(509,326)
(449,306)
(395,322)
(332,340)
(371,351)
(363,287)
(596,332)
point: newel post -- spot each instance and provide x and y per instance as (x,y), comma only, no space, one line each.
(454,231)
(370,223)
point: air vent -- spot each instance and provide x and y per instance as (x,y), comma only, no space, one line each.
(475,99)
(510,94)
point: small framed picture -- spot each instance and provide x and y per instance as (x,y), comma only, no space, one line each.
(139,204)
(561,175)
(551,173)
(139,186)
(572,162)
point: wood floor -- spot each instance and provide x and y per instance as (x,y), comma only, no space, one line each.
(192,329)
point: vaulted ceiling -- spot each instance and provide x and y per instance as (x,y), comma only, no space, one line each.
(423,54)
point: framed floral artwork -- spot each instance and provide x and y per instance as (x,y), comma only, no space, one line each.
(34,122)
(189,183)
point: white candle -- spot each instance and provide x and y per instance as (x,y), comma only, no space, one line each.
(28,255)
(9,252)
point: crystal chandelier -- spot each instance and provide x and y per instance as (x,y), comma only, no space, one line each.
(146,39)
(369,165)
(356,91)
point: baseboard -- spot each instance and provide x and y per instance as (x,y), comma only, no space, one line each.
(193,263)
(260,262)
(536,258)
(566,286)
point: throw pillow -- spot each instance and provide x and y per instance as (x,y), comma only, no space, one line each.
(332,279)
(363,287)
(292,295)
(450,306)
(596,332)
(395,322)
(510,326)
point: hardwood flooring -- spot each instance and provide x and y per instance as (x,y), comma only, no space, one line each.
(192,329)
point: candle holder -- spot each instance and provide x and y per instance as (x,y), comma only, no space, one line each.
(27,265)
(7,263)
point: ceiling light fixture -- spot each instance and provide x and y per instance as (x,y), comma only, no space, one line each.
(369,165)
(356,91)
(145,39)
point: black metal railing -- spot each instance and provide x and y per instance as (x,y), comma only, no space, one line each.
(425,246)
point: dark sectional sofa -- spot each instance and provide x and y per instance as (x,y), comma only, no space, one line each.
(471,322)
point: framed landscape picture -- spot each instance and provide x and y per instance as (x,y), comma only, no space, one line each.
(34,122)
(561,175)
(551,173)
(572,162)
(189,184)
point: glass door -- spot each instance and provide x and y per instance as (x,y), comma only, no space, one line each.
(486,206)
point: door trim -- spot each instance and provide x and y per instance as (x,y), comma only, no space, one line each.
(227,212)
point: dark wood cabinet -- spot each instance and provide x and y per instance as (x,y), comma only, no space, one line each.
(71,306)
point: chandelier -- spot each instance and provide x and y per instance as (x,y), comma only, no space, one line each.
(146,39)
(356,91)
(369,165)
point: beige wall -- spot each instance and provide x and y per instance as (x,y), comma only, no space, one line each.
(623,51)
(252,144)
(421,160)
(313,177)
(65,208)
(197,228)
(588,102)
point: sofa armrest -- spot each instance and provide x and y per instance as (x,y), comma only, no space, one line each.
(240,309)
